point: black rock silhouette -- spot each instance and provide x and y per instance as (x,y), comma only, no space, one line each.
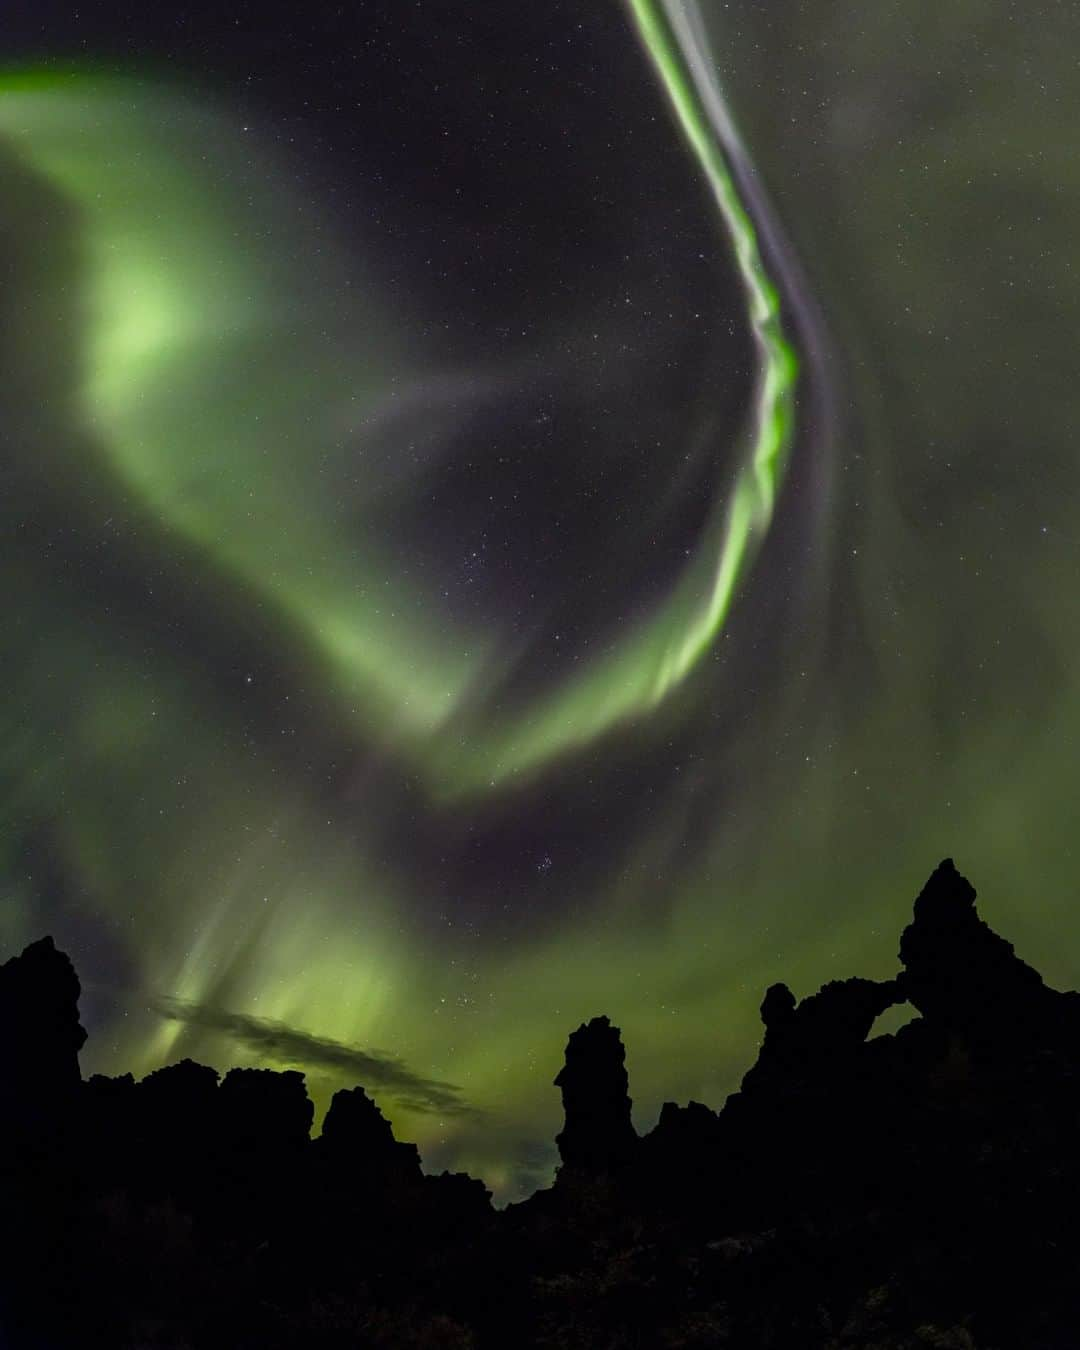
(682,1159)
(357,1143)
(264,1111)
(968,981)
(817,1040)
(40,1037)
(913,1189)
(110,1096)
(180,1101)
(110,1122)
(455,1204)
(178,1117)
(598,1136)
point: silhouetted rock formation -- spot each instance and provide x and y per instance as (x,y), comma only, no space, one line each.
(913,1190)
(264,1111)
(40,1037)
(968,981)
(598,1136)
(683,1157)
(358,1153)
(817,1040)
(357,1144)
(178,1107)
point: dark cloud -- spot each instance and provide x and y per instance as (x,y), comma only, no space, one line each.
(373,1068)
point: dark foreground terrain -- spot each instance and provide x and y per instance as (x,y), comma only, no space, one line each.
(915,1190)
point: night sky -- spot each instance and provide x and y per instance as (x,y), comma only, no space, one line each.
(516,512)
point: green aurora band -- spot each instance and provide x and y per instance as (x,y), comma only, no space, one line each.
(175,298)
(922,171)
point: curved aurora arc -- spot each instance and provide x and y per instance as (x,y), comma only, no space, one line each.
(174,297)
(187,246)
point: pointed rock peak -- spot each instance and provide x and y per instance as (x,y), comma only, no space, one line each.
(960,974)
(946,895)
(42,945)
(356,1135)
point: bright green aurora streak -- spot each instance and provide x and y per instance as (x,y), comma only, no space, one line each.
(211,346)
(193,359)
(175,299)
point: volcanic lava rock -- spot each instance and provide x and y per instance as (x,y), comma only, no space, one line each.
(598,1136)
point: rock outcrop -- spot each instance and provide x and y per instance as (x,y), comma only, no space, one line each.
(969,982)
(902,1190)
(40,1037)
(815,1042)
(598,1136)
(357,1144)
(264,1111)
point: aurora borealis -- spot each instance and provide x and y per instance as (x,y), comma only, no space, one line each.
(512,517)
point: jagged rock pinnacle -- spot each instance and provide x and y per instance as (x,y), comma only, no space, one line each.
(598,1136)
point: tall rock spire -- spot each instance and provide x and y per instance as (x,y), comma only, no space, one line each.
(40,1035)
(962,976)
(598,1136)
